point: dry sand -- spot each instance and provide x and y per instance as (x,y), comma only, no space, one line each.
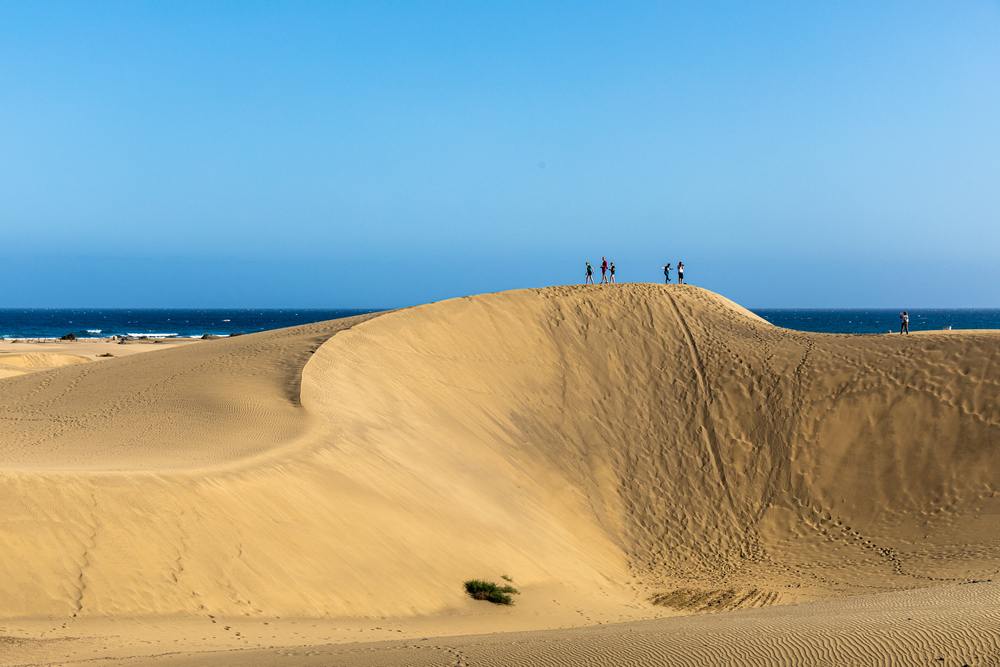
(22,356)
(637,457)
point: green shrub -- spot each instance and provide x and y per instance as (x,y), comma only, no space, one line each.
(487,590)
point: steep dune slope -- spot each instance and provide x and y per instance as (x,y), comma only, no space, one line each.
(714,450)
(629,442)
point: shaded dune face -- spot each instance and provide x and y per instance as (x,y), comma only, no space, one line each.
(708,445)
(629,441)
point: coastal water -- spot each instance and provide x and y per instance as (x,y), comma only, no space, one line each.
(879,320)
(99,323)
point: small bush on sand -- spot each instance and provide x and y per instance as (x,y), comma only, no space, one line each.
(68,337)
(487,590)
(106,354)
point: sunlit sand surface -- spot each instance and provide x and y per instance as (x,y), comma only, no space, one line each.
(667,479)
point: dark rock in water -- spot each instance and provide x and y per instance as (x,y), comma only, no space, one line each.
(211,337)
(68,337)
(235,334)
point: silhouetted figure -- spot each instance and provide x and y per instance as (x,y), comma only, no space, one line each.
(604,270)
(612,269)
(590,274)
(666,271)
(680,273)
(904,322)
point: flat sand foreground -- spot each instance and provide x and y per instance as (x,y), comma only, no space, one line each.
(949,625)
(637,458)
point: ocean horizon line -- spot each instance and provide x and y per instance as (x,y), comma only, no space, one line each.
(54,323)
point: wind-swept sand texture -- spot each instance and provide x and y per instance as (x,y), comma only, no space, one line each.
(21,364)
(20,357)
(609,447)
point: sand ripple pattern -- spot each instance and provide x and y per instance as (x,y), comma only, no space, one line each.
(950,626)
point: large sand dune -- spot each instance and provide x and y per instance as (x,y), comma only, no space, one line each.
(609,447)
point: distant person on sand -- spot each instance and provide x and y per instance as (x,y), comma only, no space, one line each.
(904,324)
(604,270)
(680,273)
(612,272)
(666,271)
(590,274)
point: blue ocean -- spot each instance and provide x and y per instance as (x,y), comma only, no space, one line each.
(879,320)
(101,323)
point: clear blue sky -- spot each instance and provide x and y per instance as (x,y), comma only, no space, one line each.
(813,154)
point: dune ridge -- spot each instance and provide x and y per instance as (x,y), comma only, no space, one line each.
(625,444)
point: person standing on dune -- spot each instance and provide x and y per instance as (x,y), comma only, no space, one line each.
(904,324)
(590,274)
(680,273)
(604,270)
(612,272)
(666,272)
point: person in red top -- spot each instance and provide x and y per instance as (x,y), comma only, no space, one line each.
(604,270)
